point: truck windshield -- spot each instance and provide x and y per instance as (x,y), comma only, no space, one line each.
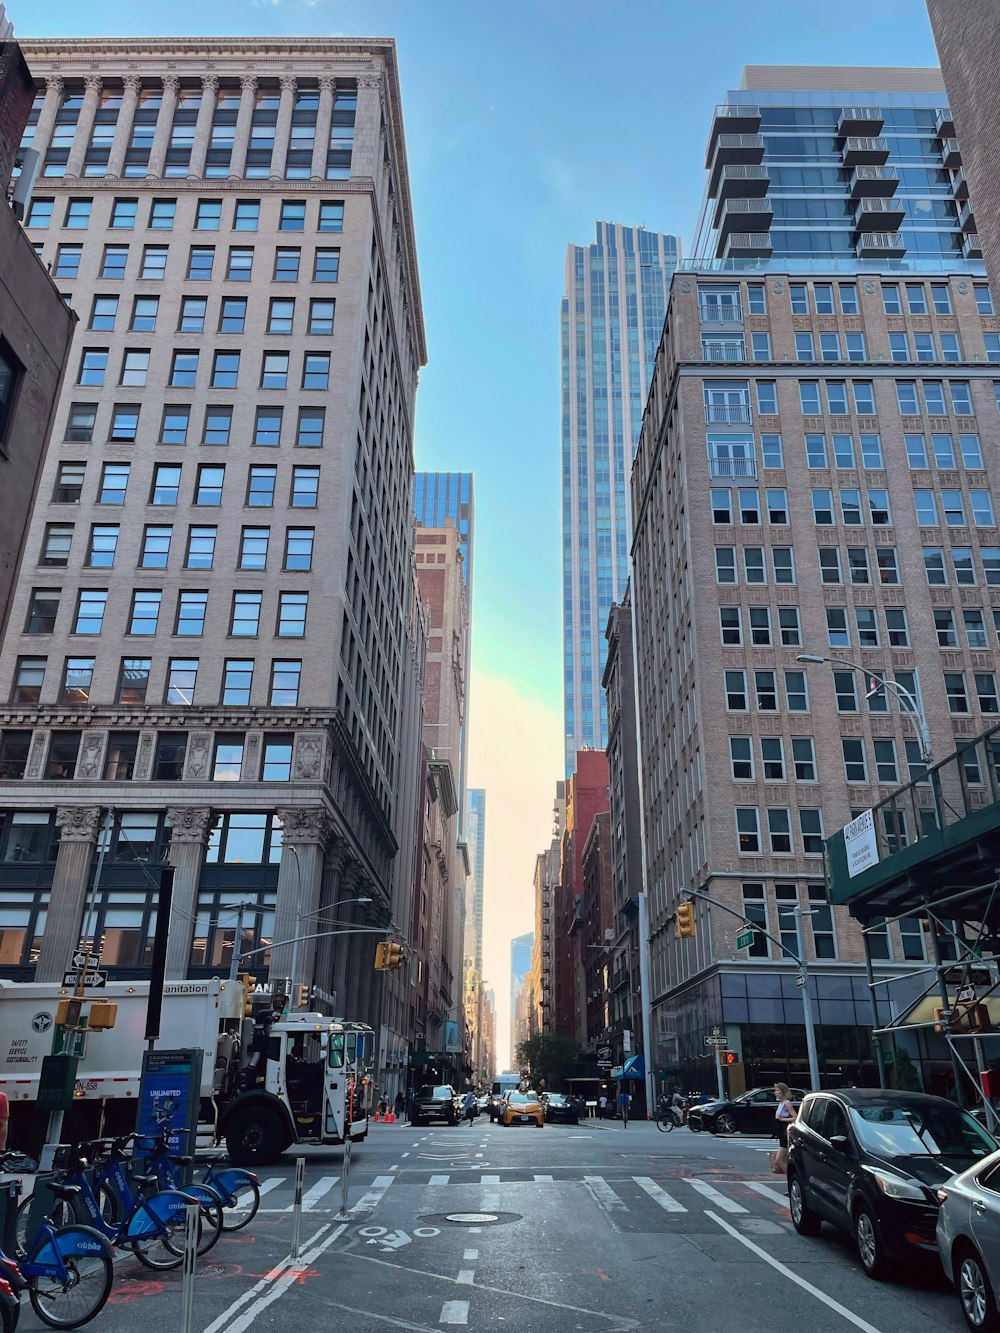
(337,1050)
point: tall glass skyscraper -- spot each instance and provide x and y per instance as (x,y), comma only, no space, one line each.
(612,318)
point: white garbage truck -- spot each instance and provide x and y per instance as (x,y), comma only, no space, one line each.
(268,1080)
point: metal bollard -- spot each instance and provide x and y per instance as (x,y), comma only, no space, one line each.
(300,1172)
(191,1233)
(345,1178)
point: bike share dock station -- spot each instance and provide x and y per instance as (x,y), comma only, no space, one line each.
(930,854)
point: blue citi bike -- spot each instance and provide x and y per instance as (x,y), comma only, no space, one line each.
(67,1270)
(238,1190)
(134,1213)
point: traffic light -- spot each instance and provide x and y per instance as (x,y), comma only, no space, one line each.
(301,996)
(388,956)
(248,984)
(68,1013)
(730,1057)
(684,918)
(102,1015)
(380,949)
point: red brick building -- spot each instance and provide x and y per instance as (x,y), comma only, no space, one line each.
(587,795)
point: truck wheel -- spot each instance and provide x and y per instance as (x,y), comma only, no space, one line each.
(255,1138)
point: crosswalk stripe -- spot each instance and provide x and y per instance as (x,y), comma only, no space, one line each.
(454,1312)
(373,1197)
(713,1195)
(660,1196)
(490,1180)
(313,1196)
(767,1191)
(439,1180)
(605,1195)
(547,1180)
(267,1185)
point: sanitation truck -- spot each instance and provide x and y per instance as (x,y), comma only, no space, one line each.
(268,1080)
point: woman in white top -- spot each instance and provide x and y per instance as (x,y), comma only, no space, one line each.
(784,1112)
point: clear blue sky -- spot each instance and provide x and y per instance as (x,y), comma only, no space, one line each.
(525,123)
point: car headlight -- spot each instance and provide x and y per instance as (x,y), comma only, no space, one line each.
(896,1187)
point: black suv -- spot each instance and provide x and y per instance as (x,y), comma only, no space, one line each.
(435,1102)
(870,1160)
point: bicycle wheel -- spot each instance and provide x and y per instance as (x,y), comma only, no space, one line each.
(246,1201)
(61,1216)
(211,1218)
(68,1302)
(665,1123)
(160,1249)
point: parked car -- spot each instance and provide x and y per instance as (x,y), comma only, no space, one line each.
(968,1239)
(753,1113)
(435,1102)
(871,1162)
(493,1107)
(561,1109)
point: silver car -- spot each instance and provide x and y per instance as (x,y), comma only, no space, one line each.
(968,1237)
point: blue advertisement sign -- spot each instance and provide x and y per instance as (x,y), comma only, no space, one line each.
(169,1097)
(451,1041)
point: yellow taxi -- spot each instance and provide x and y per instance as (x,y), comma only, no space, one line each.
(522,1107)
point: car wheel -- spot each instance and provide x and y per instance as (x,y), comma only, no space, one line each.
(975,1292)
(868,1238)
(804,1220)
(725,1123)
(695,1124)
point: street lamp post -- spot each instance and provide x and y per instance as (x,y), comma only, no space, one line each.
(908,703)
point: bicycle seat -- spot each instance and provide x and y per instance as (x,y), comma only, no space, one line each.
(145,1180)
(63,1191)
(182,1161)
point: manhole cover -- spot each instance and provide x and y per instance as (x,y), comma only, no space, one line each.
(471,1219)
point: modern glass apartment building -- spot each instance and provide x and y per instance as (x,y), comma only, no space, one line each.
(438,496)
(814,476)
(612,317)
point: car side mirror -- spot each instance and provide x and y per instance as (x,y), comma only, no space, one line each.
(840,1142)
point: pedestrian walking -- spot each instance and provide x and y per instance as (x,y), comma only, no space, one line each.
(624,1102)
(399,1105)
(784,1114)
(603,1105)
(469,1103)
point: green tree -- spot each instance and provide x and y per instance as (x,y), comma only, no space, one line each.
(905,1076)
(549,1059)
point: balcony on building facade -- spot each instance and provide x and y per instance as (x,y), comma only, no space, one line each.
(960,185)
(866,151)
(880,245)
(732,467)
(944,123)
(723,349)
(731,120)
(727,414)
(745,215)
(967,218)
(747,245)
(971,247)
(731,150)
(721,312)
(740,181)
(870,180)
(875,214)
(951,154)
(860,120)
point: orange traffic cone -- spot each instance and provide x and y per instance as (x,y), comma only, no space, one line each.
(390,1118)
(376,1117)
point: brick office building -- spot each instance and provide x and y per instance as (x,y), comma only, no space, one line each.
(208,661)
(586,793)
(816,474)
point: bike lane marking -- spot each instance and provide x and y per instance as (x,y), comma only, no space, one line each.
(282,1284)
(779,1267)
(258,1287)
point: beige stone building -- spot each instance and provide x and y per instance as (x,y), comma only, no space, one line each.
(816,475)
(207,656)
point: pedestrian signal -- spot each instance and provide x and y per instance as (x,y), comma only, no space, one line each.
(730,1057)
(684,918)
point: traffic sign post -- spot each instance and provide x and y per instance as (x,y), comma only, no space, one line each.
(92,980)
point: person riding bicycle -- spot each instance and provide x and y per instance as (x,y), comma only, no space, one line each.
(677,1107)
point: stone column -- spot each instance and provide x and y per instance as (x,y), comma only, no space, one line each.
(337,860)
(84,126)
(189,830)
(324,116)
(366,126)
(283,129)
(80,825)
(306,831)
(47,115)
(123,130)
(203,128)
(164,126)
(244,118)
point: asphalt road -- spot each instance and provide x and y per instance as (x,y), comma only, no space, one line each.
(593,1229)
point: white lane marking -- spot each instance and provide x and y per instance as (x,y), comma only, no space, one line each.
(292,1275)
(395,1167)
(604,1195)
(490,1180)
(272,1184)
(776,1264)
(439,1180)
(466,1276)
(313,1196)
(543,1180)
(713,1196)
(454,1312)
(660,1196)
(258,1287)
(384,1318)
(470,1256)
(767,1191)
(478,1154)
(373,1197)
(405,1154)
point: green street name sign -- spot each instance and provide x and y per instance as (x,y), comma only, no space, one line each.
(744,939)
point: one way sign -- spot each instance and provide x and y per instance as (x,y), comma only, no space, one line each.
(93,979)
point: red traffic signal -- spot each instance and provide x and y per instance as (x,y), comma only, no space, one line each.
(730,1057)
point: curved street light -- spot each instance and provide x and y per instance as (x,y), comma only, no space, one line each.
(908,703)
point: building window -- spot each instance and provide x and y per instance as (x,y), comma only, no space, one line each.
(114,482)
(760,626)
(60,763)
(144,312)
(281,315)
(184,369)
(755,913)
(78,675)
(90,608)
(847,696)
(166,484)
(253,548)
(102,547)
(292,608)
(986,691)
(286,264)
(267,427)
(321,315)
(42,611)
(305,487)
(93,364)
(155,547)
(200,548)
(208,215)
(284,683)
(731,627)
(168,760)
(274,370)
(200,263)
(975,630)
(29,675)
(816,451)
(766,691)
(103,313)
(260,487)
(311,424)
(725,564)
(154,262)
(56,544)
(772,757)
(331,215)
(182,677)
(192,607)
(246,614)
(277,765)
(192,316)
(218,424)
(796,692)
(836,627)
(867,626)
(145,613)
(855,765)
(293,215)
(247,215)
(67,263)
(779,830)
(225,370)
(788,627)
(123,214)
(822,503)
(133,680)
(210,482)
(326,266)
(316,370)
(240,265)
(237,682)
(228,758)
(245,839)
(958,699)
(69,483)
(803,759)
(736,691)
(741,758)
(39,213)
(82,416)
